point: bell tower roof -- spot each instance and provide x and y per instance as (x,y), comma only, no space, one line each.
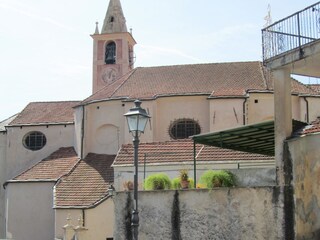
(114,22)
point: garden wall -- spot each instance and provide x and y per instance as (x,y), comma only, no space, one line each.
(304,154)
(218,214)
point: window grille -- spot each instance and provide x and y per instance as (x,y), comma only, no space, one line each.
(184,128)
(34,141)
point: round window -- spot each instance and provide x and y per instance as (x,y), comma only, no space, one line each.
(34,141)
(184,128)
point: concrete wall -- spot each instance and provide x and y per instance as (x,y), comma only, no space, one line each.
(20,158)
(223,213)
(29,211)
(304,153)
(3,144)
(98,221)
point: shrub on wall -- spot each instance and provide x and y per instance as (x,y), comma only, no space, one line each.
(217,178)
(157,181)
(176,183)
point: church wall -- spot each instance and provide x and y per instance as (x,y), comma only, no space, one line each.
(78,117)
(260,107)
(225,113)
(29,211)
(3,143)
(314,108)
(98,221)
(19,158)
(169,109)
(104,123)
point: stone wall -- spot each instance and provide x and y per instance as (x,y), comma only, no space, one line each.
(218,214)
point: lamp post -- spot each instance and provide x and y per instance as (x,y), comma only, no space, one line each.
(137,119)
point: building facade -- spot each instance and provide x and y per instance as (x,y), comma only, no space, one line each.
(182,100)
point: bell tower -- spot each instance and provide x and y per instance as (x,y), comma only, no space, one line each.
(112,48)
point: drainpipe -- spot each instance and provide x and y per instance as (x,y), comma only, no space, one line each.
(82,132)
(244,110)
(307,108)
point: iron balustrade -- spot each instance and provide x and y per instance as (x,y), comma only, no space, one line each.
(292,32)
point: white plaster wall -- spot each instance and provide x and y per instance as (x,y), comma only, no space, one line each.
(3,144)
(314,108)
(225,113)
(169,109)
(98,221)
(104,123)
(258,173)
(260,111)
(78,117)
(19,158)
(29,211)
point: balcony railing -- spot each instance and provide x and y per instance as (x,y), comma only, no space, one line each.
(292,32)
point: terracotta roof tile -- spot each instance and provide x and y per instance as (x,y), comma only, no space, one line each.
(181,151)
(46,112)
(314,127)
(315,87)
(212,79)
(298,87)
(53,167)
(151,82)
(87,184)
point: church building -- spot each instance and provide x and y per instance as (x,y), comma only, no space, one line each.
(58,159)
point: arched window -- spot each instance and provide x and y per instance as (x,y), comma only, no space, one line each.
(184,128)
(110,54)
(34,141)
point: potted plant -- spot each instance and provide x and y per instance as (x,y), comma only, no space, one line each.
(184,179)
(158,181)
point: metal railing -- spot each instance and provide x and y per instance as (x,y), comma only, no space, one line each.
(291,32)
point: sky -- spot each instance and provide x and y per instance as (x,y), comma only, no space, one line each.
(46,48)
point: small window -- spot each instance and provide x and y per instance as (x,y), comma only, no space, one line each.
(184,128)
(34,141)
(112,19)
(110,54)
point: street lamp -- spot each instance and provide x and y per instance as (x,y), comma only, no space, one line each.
(137,119)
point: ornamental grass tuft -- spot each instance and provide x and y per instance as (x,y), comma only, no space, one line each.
(157,181)
(217,178)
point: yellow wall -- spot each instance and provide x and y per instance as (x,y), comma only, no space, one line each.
(98,221)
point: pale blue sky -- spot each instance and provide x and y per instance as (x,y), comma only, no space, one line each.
(46,48)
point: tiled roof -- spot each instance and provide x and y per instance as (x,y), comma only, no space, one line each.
(52,168)
(5,122)
(181,151)
(314,127)
(46,112)
(87,184)
(151,82)
(298,87)
(315,87)
(212,79)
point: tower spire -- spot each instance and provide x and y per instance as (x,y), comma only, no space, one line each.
(114,21)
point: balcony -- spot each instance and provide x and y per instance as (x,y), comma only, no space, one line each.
(294,41)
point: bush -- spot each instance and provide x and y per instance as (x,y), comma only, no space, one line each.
(176,183)
(157,181)
(217,178)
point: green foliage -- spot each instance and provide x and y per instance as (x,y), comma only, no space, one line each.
(176,183)
(157,181)
(217,178)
